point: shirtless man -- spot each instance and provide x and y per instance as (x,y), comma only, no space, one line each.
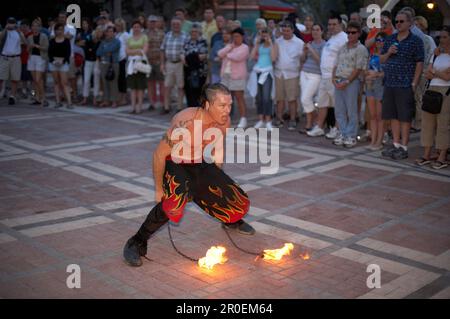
(193,179)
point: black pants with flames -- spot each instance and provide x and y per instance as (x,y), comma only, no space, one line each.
(203,183)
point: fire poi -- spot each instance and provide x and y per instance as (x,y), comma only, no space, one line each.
(277,254)
(214,255)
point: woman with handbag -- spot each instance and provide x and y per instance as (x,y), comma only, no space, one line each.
(137,47)
(108,52)
(436,106)
(195,52)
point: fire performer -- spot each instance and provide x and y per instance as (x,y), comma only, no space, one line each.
(194,178)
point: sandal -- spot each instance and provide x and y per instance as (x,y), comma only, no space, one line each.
(422,161)
(439,165)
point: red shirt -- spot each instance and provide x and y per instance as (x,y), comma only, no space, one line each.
(307,37)
(24,54)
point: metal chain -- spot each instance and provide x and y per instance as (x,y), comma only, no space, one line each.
(176,249)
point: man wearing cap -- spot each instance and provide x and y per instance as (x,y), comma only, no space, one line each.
(10,50)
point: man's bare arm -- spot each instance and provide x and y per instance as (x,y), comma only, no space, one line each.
(159,164)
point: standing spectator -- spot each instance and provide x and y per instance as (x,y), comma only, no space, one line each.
(298,27)
(265,52)
(137,48)
(287,74)
(260,24)
(386,27)
(435,126)
(307,34)
(10,64)
(216,63)
(217,43)
(171,64)
(37,62)
(234,70)
(194,58)
(403,55)
(273,27)
(161,24)
(186,25)
(374,93)
(59,52)
(25,76)
(142,20)
(326,93)
(209,26)
(155,39)
(108,52)
(351,62)
(311,74)
(356,17)
(122,35)
(221,23)
(90,42)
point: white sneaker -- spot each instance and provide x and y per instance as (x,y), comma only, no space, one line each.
(269,126)
(333,133)
(349,142)
(316,131)
(242,123)
(259,124)
(339,141)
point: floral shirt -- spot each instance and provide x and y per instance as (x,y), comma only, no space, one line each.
(193,47)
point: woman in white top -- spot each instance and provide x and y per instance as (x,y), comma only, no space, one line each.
(435,126)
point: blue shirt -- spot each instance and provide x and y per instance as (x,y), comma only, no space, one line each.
(264,58)
(109,46)
(399,68)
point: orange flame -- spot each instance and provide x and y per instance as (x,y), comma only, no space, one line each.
(214,255)
(277,254)
(305,256)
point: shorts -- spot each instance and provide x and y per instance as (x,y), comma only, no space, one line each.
(174,75)
(398,104)
(10,68)
(36,64)
(156,74)
(137,81)
(233,85)
(287,89)
(326,93)
(375,90)
(61,68)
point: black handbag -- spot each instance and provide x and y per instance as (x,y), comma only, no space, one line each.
(432,100)
(110,74)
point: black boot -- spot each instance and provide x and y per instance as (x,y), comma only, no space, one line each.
(133,250)
(136,246)
(241,227)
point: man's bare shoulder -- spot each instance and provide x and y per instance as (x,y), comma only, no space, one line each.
(185,117)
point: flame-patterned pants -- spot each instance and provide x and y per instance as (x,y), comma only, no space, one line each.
(204,184)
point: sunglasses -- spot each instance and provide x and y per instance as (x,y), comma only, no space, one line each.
(379,40)
(352,32)
(399,21)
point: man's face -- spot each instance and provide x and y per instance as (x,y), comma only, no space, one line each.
(220,108)
(355,18)
(11,26)
(176,25)
(353,35)
(385,22)
(62,18)
(109,33)
(287,31)
(220,21)
(179,14)
(104,14)
(333,26)
(401,23)
(208,15)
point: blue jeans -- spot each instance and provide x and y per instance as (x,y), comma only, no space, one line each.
(264,102)
(346,109)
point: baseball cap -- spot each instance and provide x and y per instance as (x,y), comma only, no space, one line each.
(152,18)
(11,20)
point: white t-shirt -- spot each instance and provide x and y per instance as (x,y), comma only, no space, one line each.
(123,38)
(287,65)
(330,53)
(441,63)
(12,44)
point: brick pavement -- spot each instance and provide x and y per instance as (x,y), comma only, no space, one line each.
(74,185)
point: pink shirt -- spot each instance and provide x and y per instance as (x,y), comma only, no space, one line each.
(236,60)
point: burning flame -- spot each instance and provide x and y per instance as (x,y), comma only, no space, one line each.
(305,256)
(214,256)
(277,254)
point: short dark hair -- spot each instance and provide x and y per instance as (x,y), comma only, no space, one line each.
(334,15)
(239,30)
(63,13)
(319,25)
(136,22)
(210,91)
(58,25)
(111,28)
(386,13)
(354,25)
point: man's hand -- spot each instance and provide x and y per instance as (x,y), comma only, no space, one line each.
(158,195)
(393,50)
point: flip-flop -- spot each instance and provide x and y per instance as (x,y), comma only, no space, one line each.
(422,161)
(439,165)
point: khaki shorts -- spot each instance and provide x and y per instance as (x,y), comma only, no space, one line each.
(287,90)
(10,68)
(174,75)
(326,93)
(233,85)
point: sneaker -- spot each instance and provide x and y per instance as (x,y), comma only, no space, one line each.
(259,124)
(399,154)
(292,126)
(278,123)
(133,250)
(242,123)
(333,133)
(316,131)
(35,102)
(364,137)
(339,141)
(58,105)
(269,126)
(350,142)
(389,151)
(241,227)
(12,100)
